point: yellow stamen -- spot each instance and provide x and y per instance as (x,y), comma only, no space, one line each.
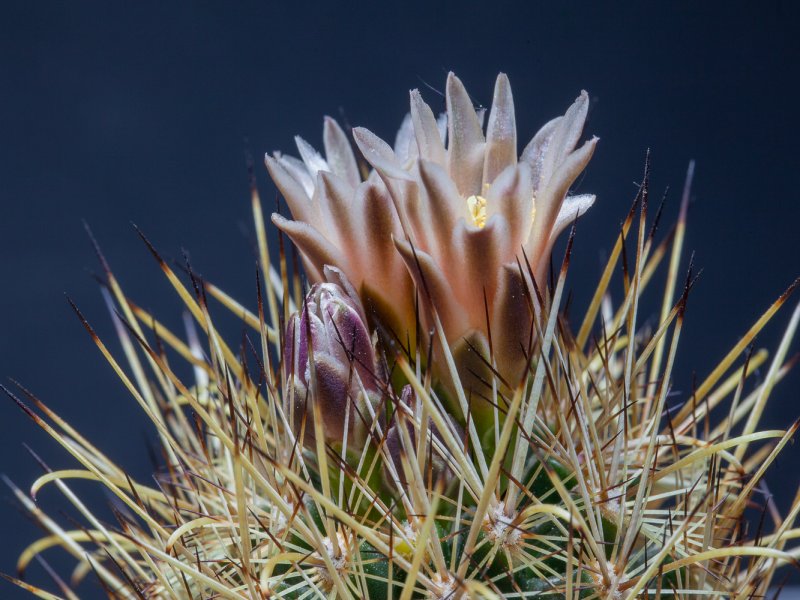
(477,210)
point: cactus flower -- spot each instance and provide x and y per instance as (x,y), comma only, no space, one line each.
(330,332)
(452,210)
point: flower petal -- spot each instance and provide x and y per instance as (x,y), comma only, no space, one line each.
(401,184)
(306,326)
(501,134)
(572,208)
(347,335)
(417,222)
(481,251)
(333,395)
(570,129)
(511,195)
(512,321)
(343,223)
(368,222)
(441,125)
(404,144)
(339,153)
(312,159)
(466,142)
(548,202)
(379,154)
(536,150)
(434,289)
(480,112)
(337,276)
(445,206)
(321,342)
(380,226)
(562,140)
(430,142)
(317,251)
(293,192)
(298,170)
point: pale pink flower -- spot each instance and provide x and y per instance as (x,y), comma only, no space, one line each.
(450,205)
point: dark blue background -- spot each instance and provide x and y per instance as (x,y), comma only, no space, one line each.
(119,112)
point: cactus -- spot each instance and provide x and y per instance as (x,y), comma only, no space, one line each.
(425,422)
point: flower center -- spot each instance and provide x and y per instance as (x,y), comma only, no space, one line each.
(476,205)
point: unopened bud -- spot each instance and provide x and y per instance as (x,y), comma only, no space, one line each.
(329,359)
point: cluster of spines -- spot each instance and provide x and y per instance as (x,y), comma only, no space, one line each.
(594,486)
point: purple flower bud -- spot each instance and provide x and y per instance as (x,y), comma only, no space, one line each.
(331,330)
(436,465)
